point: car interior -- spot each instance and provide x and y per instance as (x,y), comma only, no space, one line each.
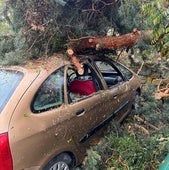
(80,86)
(109,73)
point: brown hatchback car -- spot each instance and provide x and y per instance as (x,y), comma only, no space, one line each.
(49,113)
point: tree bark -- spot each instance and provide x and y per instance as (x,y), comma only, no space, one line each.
(104,43)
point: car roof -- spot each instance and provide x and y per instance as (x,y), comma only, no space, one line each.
(46,63)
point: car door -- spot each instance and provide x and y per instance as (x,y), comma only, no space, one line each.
(88,110)
(118,102)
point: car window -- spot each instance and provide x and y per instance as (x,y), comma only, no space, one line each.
(110,74)
(9,81)
(81,86)
(51,93)
(127,74)
(105,67)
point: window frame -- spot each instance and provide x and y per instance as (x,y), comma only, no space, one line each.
(111,63)
(117,65)
(36,111)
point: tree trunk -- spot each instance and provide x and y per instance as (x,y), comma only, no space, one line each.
(103,43)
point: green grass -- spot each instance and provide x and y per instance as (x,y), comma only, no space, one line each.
(127,146)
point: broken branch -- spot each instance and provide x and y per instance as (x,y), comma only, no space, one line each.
(75,61)
(142,129)
(162,92)
(108,43)
(145,122)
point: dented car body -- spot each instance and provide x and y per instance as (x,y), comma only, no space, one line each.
(49,113)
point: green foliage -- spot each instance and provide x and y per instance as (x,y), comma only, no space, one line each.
(151,108)
(6,44)
(13,49)
(45,25)
(130,15)
(156,15)
(34,30)
(125,147)
(94,157)
(4,25)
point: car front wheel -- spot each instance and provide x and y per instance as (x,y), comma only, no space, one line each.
(61,162)
(59,166)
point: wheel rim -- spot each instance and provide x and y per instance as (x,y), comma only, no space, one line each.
(60,166)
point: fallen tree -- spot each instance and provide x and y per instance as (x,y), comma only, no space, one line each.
(76,46)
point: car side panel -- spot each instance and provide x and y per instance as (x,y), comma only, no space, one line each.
(38,138)
(117,101)
(29,133)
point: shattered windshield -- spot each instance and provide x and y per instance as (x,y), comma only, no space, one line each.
(9,80)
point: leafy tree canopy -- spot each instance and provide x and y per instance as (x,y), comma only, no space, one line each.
(42,27)
(157,19)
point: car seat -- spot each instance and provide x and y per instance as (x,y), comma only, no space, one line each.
(82,87)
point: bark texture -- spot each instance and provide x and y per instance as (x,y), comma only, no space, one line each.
(76,46)
(106,42)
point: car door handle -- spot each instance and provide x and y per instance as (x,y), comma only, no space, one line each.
(115,96)
(80,112)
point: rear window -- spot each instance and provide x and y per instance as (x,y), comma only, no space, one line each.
(9,80)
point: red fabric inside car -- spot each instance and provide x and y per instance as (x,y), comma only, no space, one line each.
(83,87)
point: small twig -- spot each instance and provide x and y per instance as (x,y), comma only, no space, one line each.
(165,67)
(140,68)
(107,4)
(33,43)
(122,163)
(119,54)
(81,38)
(107,160)
(162,92)
(46,50)
(158,87)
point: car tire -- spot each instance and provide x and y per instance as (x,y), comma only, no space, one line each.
(62,162)
(136,101)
